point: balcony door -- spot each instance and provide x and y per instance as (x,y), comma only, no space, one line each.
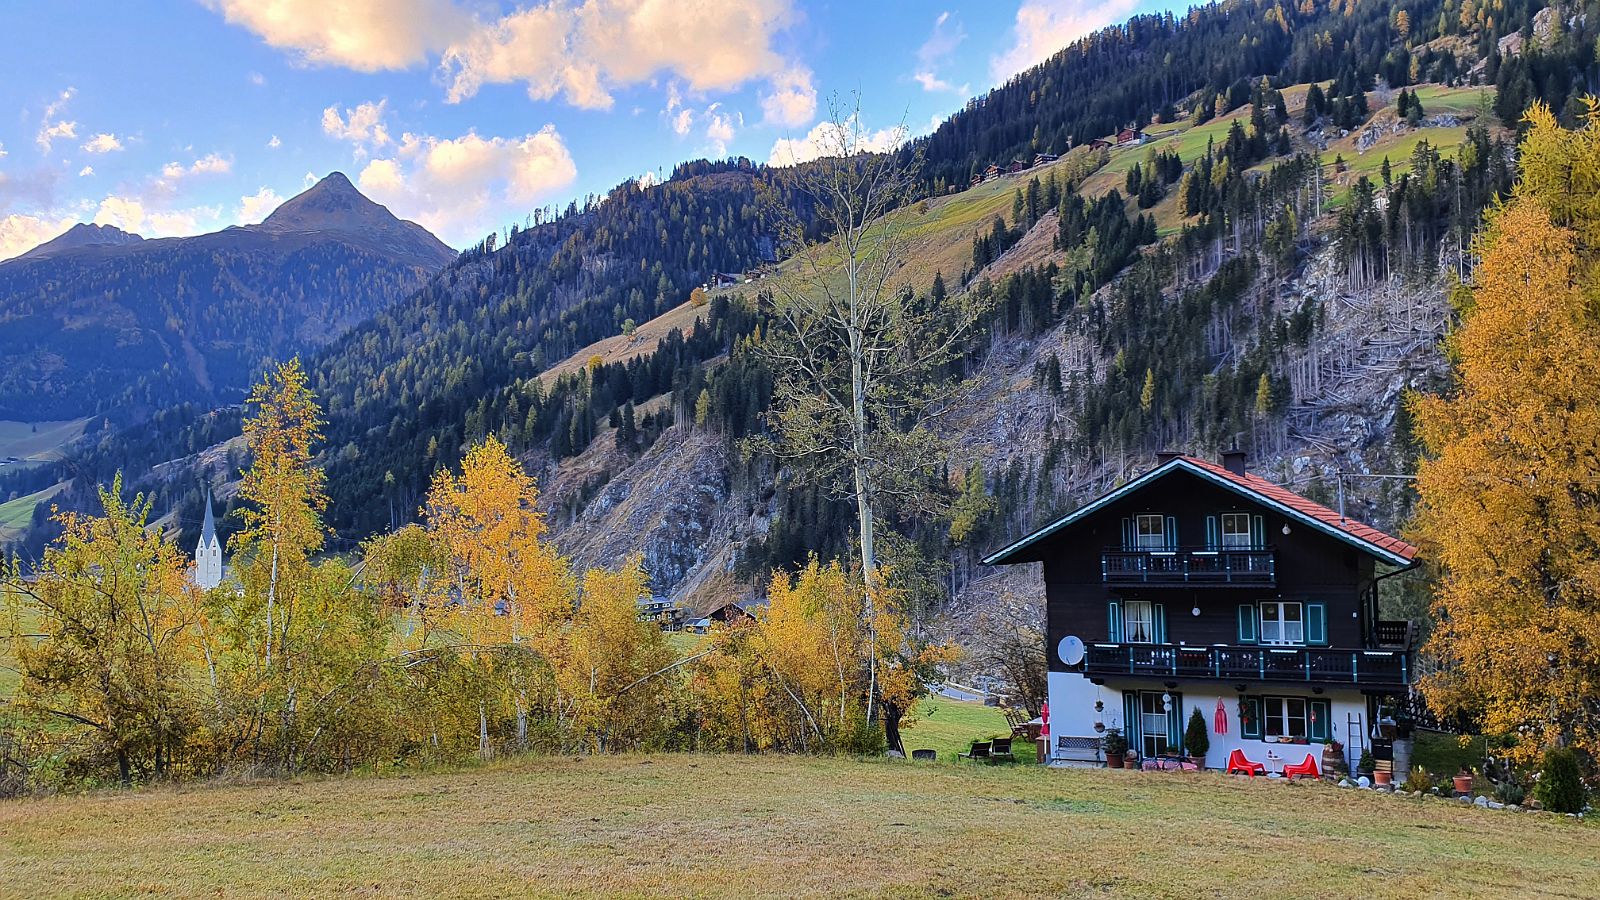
(1283,623)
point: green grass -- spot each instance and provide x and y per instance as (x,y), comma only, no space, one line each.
(37,440)
(950,727)
(26,623)
(15,515)
(758,826)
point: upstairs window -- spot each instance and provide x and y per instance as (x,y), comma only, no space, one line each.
(1236,531)
(1150,532)
(1139,622)
(1282,623)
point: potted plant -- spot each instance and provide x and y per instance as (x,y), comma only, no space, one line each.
(1196,739)
(1115,746)
(1364,765)
(1463,781)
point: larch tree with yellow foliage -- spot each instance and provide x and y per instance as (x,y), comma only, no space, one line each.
(1510,484)
(605,670)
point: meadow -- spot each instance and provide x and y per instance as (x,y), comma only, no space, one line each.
(732,825)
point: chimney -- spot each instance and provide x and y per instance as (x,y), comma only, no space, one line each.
(1165,456)
(1233,460)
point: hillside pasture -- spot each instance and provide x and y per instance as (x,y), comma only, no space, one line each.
(768,826)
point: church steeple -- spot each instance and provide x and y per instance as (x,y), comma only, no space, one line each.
(208,552)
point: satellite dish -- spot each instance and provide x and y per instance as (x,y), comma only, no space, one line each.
(1070,650)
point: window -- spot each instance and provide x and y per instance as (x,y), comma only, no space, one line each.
(1153,721)
(1151,533)
(1282,623)
(1138,621)
(1236,531)
(1285,716)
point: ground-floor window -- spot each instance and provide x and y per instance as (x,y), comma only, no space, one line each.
(1153,724)
(1285,716)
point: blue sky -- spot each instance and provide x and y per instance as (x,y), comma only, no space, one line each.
(182,116)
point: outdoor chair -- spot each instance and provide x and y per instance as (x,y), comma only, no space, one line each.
(928,755)
(980,750)
(1240,764)
(1000,749)
(1307,769)
(1018,720)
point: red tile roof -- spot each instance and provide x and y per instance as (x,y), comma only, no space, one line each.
(1281,495)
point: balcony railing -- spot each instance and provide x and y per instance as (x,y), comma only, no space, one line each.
(1191,567)
(1303,664)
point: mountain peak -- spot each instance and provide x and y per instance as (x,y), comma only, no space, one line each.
(334,204)
(82,234)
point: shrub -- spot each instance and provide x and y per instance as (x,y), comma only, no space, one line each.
(1365,765)
(1196,738)
(1115,744)
(1560,786)
(1510,792)
(1418,780)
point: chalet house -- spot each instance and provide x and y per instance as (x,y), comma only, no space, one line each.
(992,172)
(1017,165)
(1130,137)
(725,279)
(1099,144)
(1040,159)
(977,179)
(1199,586)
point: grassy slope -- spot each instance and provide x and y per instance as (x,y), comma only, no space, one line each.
(670,825)
(16,514)
(19,439)
(950,727)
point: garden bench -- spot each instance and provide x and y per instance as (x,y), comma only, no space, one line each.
(980,750)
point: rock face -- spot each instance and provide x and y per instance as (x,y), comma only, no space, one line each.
(83,235)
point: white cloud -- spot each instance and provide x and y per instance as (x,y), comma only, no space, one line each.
(1044,27)
(258,79)
(461,188)
(2,151)
(210,164)
(362,126)
(85,171)
(826,139)
(947,35)
(719,129)
(104,142)
(51,128)
(21,233)
(579,49)
(133,214)
(793,100)
(683,121)
(274,143)
(255,207)
(365,35)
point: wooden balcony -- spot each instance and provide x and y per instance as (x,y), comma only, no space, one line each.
(1306,665)
(1191,567)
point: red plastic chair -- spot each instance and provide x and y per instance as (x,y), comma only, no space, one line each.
(1239,764)
(1307,769)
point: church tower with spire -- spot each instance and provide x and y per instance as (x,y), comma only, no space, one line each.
(208,553)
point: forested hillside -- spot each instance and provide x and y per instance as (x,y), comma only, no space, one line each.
(94,324)
(1270,270)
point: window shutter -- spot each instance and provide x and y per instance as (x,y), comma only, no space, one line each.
(1320,712)
(1129,540)
(1250,717)
(1130,721)
(1172,533)
(1175,722)
(1247,623)
(1258,533)
(1158,622)
(1114,622)
(1317,623)
(1213,539)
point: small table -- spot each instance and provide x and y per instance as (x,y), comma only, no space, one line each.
(1274,764)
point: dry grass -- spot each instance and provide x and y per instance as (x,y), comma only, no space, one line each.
(770,826)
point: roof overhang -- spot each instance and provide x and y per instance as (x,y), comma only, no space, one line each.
(1014,552)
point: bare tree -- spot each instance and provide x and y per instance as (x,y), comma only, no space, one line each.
(861,362)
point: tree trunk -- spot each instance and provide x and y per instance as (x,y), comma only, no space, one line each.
(891,727)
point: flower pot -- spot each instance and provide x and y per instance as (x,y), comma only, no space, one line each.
(1114,761)
(1463,784)
(1382,779)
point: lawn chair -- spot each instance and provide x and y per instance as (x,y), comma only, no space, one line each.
(980,750)
(1000,750)
(1307,769)
(924,755)
(1018,720)
(1240,764)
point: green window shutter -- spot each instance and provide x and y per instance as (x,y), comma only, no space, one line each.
(1114,622)
(1247,623)
(1320,714)
(1175,722)
(1130,721)
(1129,539)
(1158,618)
(1172,533)
(1317,624)
(1258,533)
(1250,717)
(1213,538)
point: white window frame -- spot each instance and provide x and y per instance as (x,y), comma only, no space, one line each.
(1276,631)
(1132,619)
(1154,738)
(1237,540)
(1280,722)
(1151,540)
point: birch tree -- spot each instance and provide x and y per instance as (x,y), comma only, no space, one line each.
(859,357)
